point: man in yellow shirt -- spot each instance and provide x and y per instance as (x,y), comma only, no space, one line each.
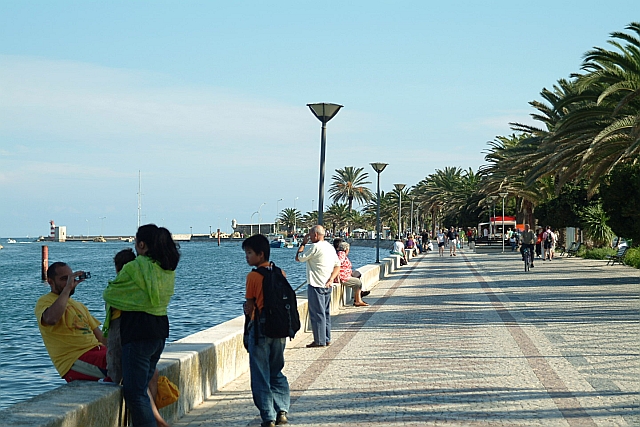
(70,333)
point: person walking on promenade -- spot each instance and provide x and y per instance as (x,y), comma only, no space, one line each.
(269,386)
(452,237)
(142,291)
(323,267)
(71,335)
(528,241)
(440,237)
(549,242)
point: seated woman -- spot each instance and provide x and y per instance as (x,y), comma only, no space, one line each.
(411,245)
(347,276)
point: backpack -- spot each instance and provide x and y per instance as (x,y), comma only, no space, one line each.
(549,238)
(280,309)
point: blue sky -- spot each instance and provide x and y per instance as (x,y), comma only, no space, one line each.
(208,99)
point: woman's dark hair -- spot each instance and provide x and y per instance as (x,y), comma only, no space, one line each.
(336,243)
(160,245)
(258,244)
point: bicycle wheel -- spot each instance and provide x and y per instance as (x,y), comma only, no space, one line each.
(526,261)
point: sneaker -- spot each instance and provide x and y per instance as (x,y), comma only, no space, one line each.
(282,418)
(268,424)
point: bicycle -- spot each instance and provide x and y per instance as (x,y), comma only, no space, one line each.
(527,259)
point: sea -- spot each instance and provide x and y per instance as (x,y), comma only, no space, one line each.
(209,290)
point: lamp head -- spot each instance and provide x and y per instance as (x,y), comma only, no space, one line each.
(324,111)
(399,187)
(378,167)
(503,194)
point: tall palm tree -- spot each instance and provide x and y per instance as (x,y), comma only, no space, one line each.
(349,184)
(289,218)
(339,216)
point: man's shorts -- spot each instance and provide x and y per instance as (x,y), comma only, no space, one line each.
(91,366)
(440,244)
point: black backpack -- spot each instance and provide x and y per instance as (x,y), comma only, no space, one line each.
(549,238)
(280,304)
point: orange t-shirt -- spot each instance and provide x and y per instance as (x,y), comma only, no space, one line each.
(254,286)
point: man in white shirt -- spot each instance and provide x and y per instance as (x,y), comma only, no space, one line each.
(323,267)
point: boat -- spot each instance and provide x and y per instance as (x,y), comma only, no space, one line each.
(1,246)
(277,241)
(99,239)
(11,241)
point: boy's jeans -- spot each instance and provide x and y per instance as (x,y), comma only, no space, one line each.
(139,360)
(269,386)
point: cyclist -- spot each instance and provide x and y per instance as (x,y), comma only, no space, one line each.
(528,239)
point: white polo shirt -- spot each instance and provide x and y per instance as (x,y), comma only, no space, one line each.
(321,258)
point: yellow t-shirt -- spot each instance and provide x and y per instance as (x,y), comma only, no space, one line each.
(71,337)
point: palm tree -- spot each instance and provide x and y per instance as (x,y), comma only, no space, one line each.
(310,219)
(289,218)
(339,216)
(349,184)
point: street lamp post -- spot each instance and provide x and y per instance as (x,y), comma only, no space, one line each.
(252,221)
(324,112)
(399,187)
(411,222)
(260,217)
(378,167)
(503,195)
(102,218)
(277,213)
(493,226)
(295,218)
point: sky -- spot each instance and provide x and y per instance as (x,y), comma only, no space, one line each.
(205,101)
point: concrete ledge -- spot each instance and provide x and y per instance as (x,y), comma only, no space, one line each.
(199,364)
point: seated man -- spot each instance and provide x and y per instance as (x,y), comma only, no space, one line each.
(70,333)
(348,277)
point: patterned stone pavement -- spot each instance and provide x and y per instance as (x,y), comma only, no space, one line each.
(470,340)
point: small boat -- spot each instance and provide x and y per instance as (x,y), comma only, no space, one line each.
(277,241)
(11,241)
(1,246)
(99,239)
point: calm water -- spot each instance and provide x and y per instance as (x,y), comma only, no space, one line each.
(209,290)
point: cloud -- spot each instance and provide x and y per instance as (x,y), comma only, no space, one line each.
(88,103)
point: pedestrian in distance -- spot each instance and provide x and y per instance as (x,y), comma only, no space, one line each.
(269,386)
(549,242)
(323,267)
(142,291)
(452,237)
(440,238)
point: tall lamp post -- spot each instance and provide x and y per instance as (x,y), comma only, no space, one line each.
(295,218)
(493,226)
(503,195)
(277,213)
(252,221)
(399,187)
(260,216)
(324,112)
(378,167)
(102,218)
(411,222)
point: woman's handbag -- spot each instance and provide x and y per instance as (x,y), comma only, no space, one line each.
(168,392)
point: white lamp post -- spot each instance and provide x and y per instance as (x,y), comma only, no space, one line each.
(503,195)
(324,112)
(277,213)
(260,216)
(295,218)
(102,218)
(399,187)
(493,226)
(378,167)
(252,221)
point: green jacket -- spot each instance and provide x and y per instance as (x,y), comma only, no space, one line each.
(141,285)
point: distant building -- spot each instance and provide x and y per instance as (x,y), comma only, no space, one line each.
(250,229)
(60,233)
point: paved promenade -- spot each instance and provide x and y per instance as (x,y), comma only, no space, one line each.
(470,340)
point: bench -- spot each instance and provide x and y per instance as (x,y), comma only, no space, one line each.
(573,249)
(618,257)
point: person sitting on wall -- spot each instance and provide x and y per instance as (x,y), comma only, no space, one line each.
(347,276)
(71,335)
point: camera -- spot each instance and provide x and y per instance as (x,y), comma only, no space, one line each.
(84,276)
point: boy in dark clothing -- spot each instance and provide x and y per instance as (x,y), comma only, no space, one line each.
(269,386)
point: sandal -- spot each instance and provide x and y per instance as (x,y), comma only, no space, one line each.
(360,304)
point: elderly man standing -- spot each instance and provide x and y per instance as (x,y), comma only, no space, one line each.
(323,267)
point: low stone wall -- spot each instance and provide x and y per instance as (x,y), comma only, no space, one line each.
(199,364)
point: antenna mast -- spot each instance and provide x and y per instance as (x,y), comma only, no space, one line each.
(139,198)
